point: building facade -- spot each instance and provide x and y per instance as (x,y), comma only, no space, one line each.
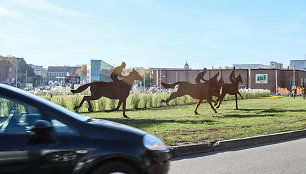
(58,73)
(8,70)
(6,73)
(37,70)
(251,78)
(99,71)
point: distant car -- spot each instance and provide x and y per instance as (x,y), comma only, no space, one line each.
(38,136)
(27,88)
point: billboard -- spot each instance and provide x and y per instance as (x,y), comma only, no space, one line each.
(262,78)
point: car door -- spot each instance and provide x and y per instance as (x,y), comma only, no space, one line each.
(17,153)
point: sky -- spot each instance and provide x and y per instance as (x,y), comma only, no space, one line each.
(147,33)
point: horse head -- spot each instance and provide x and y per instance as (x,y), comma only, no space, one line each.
(135,76)
(239,79)
(216,76)
(221,82)
(214,80)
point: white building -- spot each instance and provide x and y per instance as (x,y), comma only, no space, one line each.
(38,70)
(251,66)
(298,65)
(275,65)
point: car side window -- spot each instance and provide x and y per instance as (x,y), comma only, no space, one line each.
(60,128)
(17,117)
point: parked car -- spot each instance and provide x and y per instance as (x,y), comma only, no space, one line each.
(38,136)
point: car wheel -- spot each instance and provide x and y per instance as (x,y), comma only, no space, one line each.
(115,168)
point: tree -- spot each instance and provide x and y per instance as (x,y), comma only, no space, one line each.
(82,71)
(148,80)
(27,72)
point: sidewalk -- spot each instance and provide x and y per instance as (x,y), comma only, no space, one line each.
(191,149)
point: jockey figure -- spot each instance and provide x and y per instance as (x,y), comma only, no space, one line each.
(200,76)
(117,72)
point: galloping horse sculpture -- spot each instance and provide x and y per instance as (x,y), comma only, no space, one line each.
(113,90)
(199,91)
(232,89)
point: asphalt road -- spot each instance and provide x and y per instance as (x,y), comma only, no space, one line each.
(278,158)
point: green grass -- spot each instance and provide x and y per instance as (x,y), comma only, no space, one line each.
(179,125)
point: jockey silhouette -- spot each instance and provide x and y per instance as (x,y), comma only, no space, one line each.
(200,76)
(232,76)
(117,72)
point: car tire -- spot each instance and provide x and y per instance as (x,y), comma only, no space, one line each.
(115,167)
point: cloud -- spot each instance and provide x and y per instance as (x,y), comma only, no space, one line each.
(44,6)
(10,13)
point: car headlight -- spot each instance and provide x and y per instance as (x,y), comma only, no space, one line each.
(153,143)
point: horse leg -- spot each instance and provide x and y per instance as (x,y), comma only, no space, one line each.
(173,96)
(119,104)
(236,101)
(221,99)
(209,101)
(77,107)
(123,108)
(240,95)
(195,111)
(88,99)
(216,102)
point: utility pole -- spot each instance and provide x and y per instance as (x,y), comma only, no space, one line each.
(160,76)
(144,78)
(26,76)
(16,62)
(293,80)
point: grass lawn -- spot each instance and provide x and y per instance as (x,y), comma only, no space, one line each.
(179,125)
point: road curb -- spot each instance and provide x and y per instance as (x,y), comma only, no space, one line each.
(191,149)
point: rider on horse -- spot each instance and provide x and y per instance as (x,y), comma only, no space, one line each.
(232,76)
(117,72)
(200,76)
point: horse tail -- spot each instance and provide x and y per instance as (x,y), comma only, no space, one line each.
(81,88)
(166,85)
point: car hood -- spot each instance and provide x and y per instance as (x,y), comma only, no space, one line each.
(116,128)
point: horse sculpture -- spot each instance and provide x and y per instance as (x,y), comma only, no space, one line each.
(199,91)
(230,88)
(112,90)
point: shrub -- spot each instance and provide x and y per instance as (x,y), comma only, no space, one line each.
(112,104)
(135,101)
(101,104)
(149,101)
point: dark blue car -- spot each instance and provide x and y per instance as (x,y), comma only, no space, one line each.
(37,136)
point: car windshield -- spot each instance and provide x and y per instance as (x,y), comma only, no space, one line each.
(48,103)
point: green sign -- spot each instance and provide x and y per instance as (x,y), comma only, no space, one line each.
(262,78)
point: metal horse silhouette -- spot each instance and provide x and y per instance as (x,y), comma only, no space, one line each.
(199,91)
(230,88)
(215,88)
(114,90)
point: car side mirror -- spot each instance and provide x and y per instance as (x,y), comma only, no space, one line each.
(42,127)
(43,133)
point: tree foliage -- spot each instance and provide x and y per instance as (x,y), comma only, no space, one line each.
(82,71)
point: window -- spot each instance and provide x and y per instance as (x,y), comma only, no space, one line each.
(61,128)
(17,117)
